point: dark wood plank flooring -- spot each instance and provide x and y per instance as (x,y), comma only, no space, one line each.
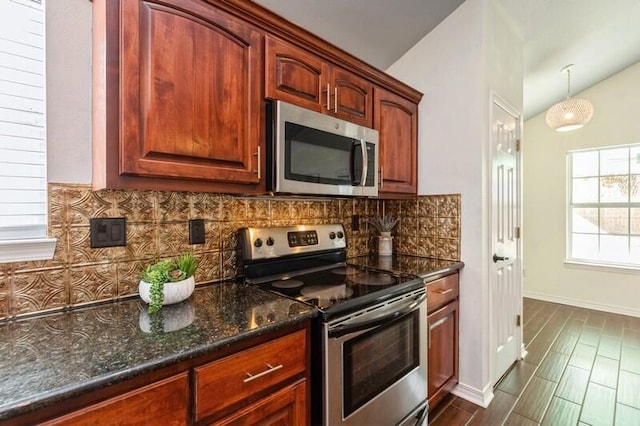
(582,368)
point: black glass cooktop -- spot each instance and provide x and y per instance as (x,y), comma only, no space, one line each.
(343,289)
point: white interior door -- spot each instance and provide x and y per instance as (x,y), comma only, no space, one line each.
(506,276)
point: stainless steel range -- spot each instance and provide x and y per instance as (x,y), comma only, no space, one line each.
(369,346)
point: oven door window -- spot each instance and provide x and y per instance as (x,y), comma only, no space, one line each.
(316,156)
(375,360)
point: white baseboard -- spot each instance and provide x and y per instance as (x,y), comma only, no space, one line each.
(479,397)
(582,303)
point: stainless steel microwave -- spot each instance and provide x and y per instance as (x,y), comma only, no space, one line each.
(313,153)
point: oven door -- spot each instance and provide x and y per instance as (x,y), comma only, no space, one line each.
(376,365)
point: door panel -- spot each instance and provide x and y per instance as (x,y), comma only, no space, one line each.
(295,76)
(189,114)
(506,294)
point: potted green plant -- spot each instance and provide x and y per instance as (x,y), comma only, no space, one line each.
(384,225)
(168,281)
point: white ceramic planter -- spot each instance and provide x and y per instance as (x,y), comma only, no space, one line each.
(385,244)
(174,292)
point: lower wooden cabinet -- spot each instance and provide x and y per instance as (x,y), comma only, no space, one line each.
(442,323)
(166,399)
(238,379)
(286,407)
(261,381)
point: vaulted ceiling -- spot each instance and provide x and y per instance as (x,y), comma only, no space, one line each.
(601,37)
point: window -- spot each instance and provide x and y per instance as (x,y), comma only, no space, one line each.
(604,206)
(23,179)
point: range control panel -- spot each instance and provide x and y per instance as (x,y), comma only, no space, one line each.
(263,243)
(302,238)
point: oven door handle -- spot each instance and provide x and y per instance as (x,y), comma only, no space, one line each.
(342,330)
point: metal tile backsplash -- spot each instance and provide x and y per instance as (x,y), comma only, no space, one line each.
(157,227)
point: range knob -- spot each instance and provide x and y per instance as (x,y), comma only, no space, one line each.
(332,235)
(270,241)
(258,243)
(340,234)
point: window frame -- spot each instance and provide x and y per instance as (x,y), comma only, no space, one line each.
(597,264)
(22,244)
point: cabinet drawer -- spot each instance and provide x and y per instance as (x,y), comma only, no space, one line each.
(441,291)
(230,380)
(167,399)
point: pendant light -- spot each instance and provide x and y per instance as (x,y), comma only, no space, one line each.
(572,113)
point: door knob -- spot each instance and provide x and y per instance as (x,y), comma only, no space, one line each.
(496,258)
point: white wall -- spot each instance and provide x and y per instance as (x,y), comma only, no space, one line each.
(69,91)
(616,121)
(456,66)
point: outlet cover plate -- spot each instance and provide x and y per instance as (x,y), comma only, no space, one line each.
(108,232)
(196,231)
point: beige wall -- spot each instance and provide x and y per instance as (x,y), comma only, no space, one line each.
(69,91)
(616,121)
(471,54)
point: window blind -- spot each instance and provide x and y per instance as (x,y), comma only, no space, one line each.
(23,177)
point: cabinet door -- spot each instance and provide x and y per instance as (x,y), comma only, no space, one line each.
(190,88)
(167,400)
(286,407)
(443,352)
(397,121)
(294,75)
(352,97)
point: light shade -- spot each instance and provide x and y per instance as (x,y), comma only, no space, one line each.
(569,114)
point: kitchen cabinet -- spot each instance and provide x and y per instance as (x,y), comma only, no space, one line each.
(178,97)
(284,407)
(299,77)
(236,380)
(396,119)
(166,399)
(442,323)
(261,380)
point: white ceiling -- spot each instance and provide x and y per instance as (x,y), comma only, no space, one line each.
(601,37)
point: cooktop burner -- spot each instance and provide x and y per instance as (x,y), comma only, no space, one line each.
(326,293)
(347,270)
(369,278)
(287,284)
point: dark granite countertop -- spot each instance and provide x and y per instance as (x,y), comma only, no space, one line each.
(427,268)
(49,358)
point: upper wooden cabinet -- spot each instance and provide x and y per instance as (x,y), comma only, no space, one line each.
(179,83)
(296,76)
(396,118)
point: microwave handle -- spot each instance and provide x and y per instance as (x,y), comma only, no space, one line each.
(365,162)
(354,182)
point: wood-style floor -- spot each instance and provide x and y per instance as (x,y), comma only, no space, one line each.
(582,368)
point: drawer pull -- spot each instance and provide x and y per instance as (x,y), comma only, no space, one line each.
(447,291)
(270,370)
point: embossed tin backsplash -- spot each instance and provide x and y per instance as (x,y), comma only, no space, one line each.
(157,227)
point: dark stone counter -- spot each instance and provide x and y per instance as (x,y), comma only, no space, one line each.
(49,358)
(425,267)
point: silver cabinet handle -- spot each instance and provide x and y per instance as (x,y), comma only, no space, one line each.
(496,258)
(381,183)
(365,162)
(270,370)
(259,171)
(328,97)
(447,291)
(335,99)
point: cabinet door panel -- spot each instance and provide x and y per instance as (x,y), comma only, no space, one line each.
(193,113)
(354,100)
(293,75)
(286,407)
(443,352)
(397,121)
(167,400)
